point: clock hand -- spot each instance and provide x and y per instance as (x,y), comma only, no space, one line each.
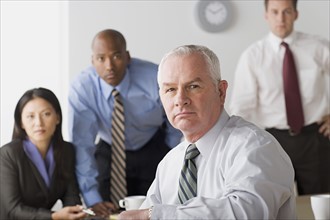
(214,11)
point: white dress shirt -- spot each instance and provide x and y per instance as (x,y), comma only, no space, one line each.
(243,173)
(258,93)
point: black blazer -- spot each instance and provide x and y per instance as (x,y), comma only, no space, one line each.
(23,192)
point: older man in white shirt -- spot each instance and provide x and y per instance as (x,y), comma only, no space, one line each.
(242,171)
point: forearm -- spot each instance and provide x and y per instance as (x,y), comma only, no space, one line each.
(143,214)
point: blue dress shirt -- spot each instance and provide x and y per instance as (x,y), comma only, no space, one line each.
(45,167)
(90,113)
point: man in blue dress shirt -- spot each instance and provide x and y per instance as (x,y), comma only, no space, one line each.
(148,134)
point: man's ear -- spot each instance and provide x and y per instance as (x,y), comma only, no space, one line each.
(297,14)
(266,16)
(128,56)
(222,86)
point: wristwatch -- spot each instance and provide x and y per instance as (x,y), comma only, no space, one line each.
(150,212)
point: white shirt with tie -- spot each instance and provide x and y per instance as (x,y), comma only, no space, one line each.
(258,93)
(243,173)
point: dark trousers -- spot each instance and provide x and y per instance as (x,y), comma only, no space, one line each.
(141,165)
(309,152)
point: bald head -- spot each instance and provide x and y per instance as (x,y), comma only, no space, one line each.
(110,34)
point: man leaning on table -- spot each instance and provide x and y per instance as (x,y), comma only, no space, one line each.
(242,171)
(117,100)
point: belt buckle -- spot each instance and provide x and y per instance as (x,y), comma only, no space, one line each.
(292,133)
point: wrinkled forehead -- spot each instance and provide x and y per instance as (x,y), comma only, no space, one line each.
(182,67)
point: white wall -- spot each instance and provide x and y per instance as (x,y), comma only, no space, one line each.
(152,28)
(33,54)
(49,42)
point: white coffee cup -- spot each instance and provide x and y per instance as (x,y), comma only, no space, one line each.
(131,202)
(321,206)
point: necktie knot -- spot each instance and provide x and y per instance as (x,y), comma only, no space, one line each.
(118,104)
(285,45)
(115,93)
(192,152)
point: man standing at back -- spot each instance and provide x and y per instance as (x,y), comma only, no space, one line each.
(117,100)
(282,83)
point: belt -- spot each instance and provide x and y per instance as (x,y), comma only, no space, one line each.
(306,129)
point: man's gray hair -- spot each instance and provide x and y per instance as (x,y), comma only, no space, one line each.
(209,56)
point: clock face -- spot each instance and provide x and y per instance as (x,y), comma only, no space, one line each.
(213,15)
(216,13)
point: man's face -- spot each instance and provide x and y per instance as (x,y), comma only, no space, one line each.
(190,98)
(281,16)
(110,60)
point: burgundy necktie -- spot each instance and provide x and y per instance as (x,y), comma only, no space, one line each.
(294,110)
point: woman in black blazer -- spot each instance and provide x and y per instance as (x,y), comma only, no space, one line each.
(38,167)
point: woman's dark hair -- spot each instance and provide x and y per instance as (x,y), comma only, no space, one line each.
(57,139)
(49,96)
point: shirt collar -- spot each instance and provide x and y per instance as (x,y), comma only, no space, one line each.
(45,167)
(276,41)
(206,143)
(123,86)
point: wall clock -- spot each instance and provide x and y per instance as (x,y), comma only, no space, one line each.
(214,15)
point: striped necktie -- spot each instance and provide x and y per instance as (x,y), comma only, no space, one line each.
(118,189)
(188,177)
(294,110)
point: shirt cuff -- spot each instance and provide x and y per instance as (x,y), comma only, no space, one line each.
(163,212)
(92,197)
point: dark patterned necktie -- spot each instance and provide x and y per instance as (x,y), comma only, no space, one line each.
(294,110)
(118,189)
(188,177)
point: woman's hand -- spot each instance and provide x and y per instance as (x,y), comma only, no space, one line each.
(69,212)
